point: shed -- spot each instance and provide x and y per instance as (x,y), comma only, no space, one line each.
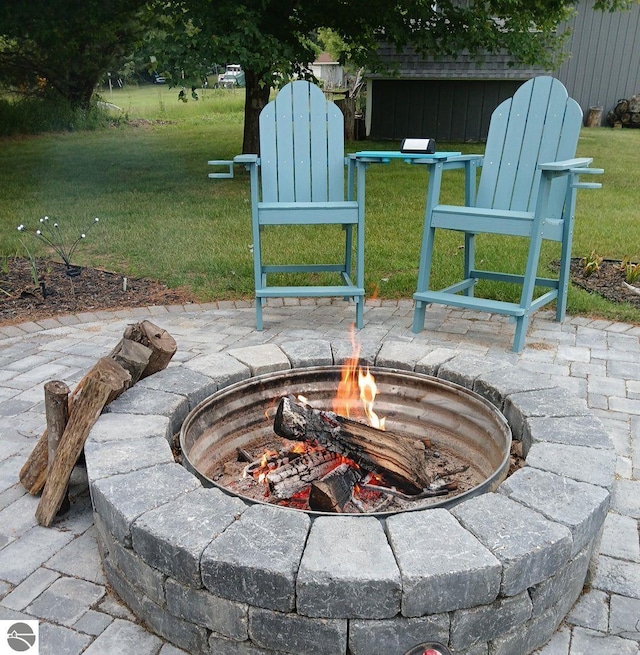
(452,99)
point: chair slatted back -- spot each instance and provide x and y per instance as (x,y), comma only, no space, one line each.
(302,146)
(539,124)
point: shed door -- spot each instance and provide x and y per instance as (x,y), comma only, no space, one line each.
(447,110)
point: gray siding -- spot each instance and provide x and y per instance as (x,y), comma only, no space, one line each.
(604,65)
(452,99)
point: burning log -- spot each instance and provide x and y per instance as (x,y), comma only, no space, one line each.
(335,490)
(402,459)
(292,478)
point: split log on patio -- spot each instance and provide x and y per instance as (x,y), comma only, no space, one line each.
(401,458)
(107,379)
(288,480)
(132,356)
(153,350)
(335,490)
(162,344)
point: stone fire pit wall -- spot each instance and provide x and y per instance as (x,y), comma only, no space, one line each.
(495,575)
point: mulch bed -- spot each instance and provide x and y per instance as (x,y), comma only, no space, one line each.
(608,282)
(92,290)
(95,289)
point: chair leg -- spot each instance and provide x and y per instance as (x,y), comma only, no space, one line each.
(259,313)
(348,243)
(418,316)
(359,312)
(565,256)
(424,275)
(348,248)
(469,259)
(522,323)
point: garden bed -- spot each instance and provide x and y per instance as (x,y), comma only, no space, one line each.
(21,299)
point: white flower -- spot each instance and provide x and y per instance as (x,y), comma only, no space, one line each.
(82,236)
(42,220)
(20,228)
(96,219)
(55,225)
(38,232)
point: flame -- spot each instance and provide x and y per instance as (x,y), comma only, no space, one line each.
(346,398)
(357,390)
(368,392)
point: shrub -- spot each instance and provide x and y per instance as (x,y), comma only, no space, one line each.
(35,115)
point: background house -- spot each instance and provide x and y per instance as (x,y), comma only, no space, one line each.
(452,99)
(329,71)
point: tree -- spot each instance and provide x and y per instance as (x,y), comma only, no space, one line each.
(272,39)
(63,48)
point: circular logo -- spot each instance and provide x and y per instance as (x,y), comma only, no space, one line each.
(20,637)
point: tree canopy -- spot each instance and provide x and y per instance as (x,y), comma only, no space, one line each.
(63,48)
(273,39)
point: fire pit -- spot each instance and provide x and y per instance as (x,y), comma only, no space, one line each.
(220,572)
(462,440)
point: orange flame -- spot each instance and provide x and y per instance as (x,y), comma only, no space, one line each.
(357,390)
(368,392)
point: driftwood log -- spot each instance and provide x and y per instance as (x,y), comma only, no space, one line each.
(400,458)
(153,349)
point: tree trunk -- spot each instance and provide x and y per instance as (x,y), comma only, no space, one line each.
(256,97)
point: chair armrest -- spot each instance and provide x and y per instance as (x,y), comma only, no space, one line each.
(575,168)
(566,165)
(246,159)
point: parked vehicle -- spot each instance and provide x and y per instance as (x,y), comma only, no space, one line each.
(233,76)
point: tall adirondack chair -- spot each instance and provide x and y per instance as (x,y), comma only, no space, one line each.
(298,179)
(527,189)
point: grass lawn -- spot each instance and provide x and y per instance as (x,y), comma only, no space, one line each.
(161,217)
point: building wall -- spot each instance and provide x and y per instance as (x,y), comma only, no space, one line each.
(604,64)
(452,99)
(446,110)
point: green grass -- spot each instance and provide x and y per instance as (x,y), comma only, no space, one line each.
(161,217)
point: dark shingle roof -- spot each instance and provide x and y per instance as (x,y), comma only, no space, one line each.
(410,65)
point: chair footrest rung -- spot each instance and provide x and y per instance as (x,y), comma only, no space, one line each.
(470,302)
(310,292)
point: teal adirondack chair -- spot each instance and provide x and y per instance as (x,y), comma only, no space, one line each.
(527,189)
(298,179)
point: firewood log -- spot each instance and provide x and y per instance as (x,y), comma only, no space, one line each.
(107,379)
(401,458)
(334,490)
(144,349)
